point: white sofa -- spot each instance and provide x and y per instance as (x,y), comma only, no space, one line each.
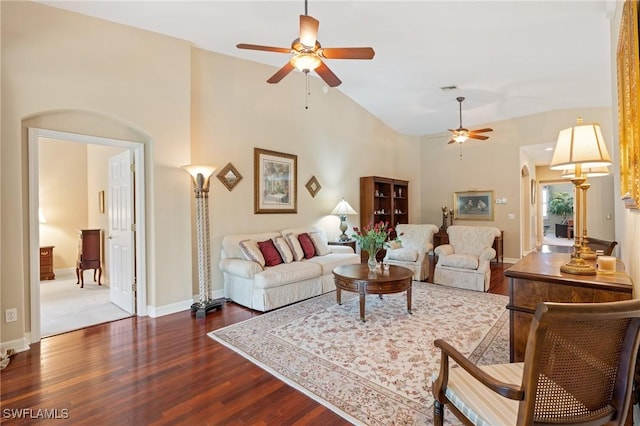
(263,288)
(416,242)
(465,261)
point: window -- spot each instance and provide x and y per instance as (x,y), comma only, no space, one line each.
(545,201)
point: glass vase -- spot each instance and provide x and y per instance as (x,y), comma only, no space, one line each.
(372,263)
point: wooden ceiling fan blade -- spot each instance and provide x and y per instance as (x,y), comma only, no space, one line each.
(327,75)
(281,73)
(308,30)
(479,137)
(482,130)
(263,48)
(451,141)
(348,53)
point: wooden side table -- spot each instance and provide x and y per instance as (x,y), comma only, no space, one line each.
(498,246)
(46,263)
(441,237)
(350,243)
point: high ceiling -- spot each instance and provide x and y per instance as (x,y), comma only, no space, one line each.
(508,58)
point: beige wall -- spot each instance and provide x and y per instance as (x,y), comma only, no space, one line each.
(495,165)
(70,176)
(63,198)
(336,141)
(122,83)
(108,80)
(190,106)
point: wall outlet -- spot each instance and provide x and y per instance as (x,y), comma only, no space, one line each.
(11,315)
(511,216)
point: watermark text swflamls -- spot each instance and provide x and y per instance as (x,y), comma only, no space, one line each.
(35,413)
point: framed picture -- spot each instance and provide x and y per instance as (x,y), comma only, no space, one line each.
(101,202)
(473,205)
(275,182)
(533,191)
(313,186)
(628,69)
(229,176)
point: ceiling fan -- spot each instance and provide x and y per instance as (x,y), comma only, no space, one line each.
(308,53)
(461,134)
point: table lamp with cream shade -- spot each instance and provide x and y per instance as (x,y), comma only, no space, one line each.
(201,175)
(343,209)
(579,149)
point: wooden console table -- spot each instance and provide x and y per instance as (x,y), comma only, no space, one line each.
(537,278)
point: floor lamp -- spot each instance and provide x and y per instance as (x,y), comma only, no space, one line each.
(201,178)
(579,148)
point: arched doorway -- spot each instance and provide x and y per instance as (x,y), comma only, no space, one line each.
(79,126)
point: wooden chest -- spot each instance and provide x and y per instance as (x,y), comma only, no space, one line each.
(46,263)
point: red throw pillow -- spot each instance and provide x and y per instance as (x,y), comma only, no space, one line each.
(307,245)
(270,253)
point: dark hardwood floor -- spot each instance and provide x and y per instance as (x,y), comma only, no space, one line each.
(165,370)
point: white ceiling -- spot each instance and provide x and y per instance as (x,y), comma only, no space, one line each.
(508,58)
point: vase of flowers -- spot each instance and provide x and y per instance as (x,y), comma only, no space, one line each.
(372,239)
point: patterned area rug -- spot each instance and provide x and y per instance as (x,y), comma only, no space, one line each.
(377,372)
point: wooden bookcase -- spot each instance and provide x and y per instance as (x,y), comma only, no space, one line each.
(383,199)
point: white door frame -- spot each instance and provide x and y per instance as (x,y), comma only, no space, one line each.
(34,229)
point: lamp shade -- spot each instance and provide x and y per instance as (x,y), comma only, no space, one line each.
(195,170)
(343,208)
(581,144)
(588,172)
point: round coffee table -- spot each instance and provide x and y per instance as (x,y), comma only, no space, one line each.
(357,278)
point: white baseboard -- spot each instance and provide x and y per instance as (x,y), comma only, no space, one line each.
(159,311)
(184,305)
(19,345)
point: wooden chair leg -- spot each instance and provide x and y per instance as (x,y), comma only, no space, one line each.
(77,275)
(438,413)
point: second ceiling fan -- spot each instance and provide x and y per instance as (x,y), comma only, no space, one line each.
(308,53)
(461,134)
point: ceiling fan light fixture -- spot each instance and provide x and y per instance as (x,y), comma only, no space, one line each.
(306,62)
(461,137)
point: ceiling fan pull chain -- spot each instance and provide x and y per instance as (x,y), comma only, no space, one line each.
(307,92)
(460,145)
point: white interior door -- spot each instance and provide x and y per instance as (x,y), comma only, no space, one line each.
(121,231)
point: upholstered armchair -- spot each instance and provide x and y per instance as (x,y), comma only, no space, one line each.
(416,242)
(465,261)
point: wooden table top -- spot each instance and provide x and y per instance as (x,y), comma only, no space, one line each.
(360,272)
(546,267)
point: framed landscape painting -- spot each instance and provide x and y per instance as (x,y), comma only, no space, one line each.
(275,182)
(473,205)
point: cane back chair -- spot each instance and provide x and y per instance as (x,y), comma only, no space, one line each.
(578,369)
